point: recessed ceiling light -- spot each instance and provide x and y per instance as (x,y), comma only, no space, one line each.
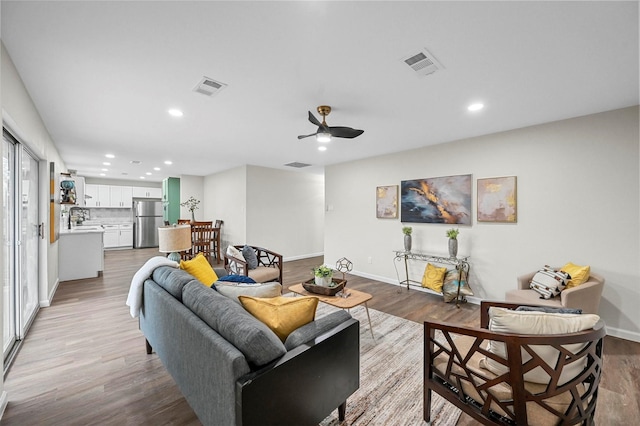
(105,170)
(175,112)
(102,174)
(142,177)
(106,163)
(110,156)
(322,148)
(168,162)
(148,173)
(475,107)
(157,169)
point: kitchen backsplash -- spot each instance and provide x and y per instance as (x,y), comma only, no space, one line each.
(112,215)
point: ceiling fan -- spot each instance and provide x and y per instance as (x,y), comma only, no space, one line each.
(325,132)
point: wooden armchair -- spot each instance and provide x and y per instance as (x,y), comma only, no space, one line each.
(269,265)
(455,367)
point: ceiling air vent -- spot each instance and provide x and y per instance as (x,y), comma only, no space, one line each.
(297,165)
(209,86)
(422,63)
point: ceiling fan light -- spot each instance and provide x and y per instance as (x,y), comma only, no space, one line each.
(323,137)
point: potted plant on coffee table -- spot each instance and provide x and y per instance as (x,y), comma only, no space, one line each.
(323,275)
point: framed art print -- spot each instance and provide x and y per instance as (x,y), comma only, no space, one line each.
(387,202)
(437,200)
(497,200)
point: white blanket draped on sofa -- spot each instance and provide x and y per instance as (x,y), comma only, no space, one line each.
(134,299)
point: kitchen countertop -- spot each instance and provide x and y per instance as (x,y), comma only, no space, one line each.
(82,230)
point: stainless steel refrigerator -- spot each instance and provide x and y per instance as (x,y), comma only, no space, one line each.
(147,220)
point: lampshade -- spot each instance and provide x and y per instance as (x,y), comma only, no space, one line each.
(174,239)
(323,137)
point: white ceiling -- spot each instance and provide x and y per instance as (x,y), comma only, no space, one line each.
(104,74)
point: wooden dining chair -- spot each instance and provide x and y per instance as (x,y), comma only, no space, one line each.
(202,238)
(217,235)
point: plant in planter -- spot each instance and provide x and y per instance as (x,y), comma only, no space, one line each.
(407,230)
(323,275)
(453,242)
(192,205)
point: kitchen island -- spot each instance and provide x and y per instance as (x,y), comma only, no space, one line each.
(80,253)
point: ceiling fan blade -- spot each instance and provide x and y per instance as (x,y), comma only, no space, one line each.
(306,136)
(345,132)
(314,120)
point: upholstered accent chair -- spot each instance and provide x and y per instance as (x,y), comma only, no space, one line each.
(586,296)
(268,265)
(532,379)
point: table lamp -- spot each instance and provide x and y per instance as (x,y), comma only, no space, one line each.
(173,240)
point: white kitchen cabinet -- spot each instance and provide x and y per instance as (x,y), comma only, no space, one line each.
(97,195)
(121,196)
(118,236)
(140,192)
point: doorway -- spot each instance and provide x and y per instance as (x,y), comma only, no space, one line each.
(21,231)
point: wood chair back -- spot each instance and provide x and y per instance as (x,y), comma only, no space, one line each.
(202,238)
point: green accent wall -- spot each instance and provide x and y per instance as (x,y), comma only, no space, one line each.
(171,199)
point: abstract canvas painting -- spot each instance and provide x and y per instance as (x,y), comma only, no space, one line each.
(497,199)
(387,202)
(437,200)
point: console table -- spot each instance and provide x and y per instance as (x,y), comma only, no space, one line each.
(460,263)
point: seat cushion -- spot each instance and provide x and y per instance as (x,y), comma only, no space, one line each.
(254,339)
(263,274)
(530,297)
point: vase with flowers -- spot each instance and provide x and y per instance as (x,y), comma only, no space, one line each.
(192,205)
(453,242)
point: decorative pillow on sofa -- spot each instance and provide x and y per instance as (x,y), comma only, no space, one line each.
(233,278)
(549,283)
(433,277)
(451,284)
(529,322)
(272,289)
(200,268)
(281,314)
(250,257)
(579,274)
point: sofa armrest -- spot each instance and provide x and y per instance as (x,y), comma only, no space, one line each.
(586,296)
(326,371)
(233,265)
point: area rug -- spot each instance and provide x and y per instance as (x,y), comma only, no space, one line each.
(391,368)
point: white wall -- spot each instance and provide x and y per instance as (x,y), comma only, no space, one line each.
(192,186)
(578,200)
(225,198)
(277,209)
(285,211)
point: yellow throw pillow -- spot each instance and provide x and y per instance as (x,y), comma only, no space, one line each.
(200,268)
(281,314)
(579,274)
(433,277)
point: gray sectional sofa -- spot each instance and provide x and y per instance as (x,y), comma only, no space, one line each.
(233,370)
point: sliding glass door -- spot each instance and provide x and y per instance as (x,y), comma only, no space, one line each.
(21,234)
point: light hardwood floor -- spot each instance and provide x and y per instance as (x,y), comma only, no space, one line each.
(84,360)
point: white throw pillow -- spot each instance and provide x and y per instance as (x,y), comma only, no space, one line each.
(530,322)
(232,251)
(255,290)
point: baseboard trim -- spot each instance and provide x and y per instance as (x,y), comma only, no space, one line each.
(623,334)
(302,256)
(3,403)
(47,302)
